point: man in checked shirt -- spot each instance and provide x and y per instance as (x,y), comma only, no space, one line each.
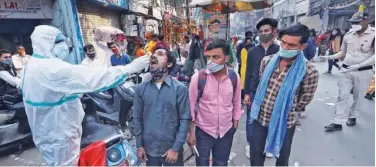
(284,69)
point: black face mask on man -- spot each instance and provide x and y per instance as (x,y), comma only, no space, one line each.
(90,55)
(266,37)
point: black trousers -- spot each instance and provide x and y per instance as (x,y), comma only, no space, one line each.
(159,161)
(258,140)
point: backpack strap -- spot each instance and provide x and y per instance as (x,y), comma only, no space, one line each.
(202,76)
(234,79)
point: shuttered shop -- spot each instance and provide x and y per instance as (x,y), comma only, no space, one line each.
(93,15)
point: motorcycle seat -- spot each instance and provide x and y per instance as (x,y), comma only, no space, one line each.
(18,106)
(94,131)
(105,105)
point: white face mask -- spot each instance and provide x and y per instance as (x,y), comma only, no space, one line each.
(356,27)
(61,50)
(214,67)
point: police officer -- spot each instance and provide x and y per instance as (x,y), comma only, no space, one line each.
(357,53)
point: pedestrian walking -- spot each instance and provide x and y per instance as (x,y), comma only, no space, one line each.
(335,41)
(267,29)
(288,84)
(358,54)
(214,95)
(161,113)
(310,51)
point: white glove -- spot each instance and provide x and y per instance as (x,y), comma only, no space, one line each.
(325,57)
(137,65)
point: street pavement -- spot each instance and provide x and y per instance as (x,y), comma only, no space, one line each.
(312,146)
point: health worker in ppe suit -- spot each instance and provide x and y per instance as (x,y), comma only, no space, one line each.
(52,89)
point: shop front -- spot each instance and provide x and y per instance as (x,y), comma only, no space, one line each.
(173,28)
(18,18)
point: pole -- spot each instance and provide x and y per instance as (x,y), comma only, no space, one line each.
(227,22)
(188,17)
(295,13)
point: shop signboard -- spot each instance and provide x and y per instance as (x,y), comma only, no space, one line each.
(26,9)
(216,25)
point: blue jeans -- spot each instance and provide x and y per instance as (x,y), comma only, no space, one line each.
(220,148)
(249,121)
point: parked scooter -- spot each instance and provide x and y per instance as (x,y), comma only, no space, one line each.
(14,126)
(15,132)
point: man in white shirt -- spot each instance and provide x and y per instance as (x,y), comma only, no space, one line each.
(91,59)
(358,54)
(20,59)
(9,81)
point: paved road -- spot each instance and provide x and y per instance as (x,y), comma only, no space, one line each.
(312,146)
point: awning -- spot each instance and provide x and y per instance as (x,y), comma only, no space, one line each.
(114,4)
(139,7)
(230,6)
(311,22)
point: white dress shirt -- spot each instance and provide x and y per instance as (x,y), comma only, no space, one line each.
(14,81)
(96,62)
(20,61)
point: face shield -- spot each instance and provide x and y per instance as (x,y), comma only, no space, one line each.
(63,47)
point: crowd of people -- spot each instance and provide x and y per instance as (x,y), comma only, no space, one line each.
(195,94)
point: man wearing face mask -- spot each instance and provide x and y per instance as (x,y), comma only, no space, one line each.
(288,84)
(161,113)
(52,88)
(91,59)
(358,54)
(118,58)
(267,29)
(214,95)
(9,82)
(20,59)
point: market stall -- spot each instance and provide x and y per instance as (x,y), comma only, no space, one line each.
(173,28)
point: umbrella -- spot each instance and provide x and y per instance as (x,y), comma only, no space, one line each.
(230,6)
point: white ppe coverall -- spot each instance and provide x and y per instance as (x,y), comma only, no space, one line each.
(51,93)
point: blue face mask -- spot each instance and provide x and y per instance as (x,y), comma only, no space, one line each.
(7,61)
(61,50)
(288,53)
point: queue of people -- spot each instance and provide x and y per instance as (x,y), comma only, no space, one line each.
(276,82)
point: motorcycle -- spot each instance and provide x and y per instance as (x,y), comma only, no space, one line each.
(14,126)
(116,109)
(15,131)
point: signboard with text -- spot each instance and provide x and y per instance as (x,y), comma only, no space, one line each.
(26,9)
(216,25)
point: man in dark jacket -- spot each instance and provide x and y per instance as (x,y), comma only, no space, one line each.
(267,29)
(9,81)
(248,34)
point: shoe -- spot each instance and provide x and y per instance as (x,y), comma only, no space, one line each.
(303,115)
(333,127)
(247,151)
(328,72)
(298,123)
(269,155)
(369,97)
(351,122)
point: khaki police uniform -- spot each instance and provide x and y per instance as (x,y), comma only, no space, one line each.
(356,49)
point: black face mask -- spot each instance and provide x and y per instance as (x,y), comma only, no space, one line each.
(92,55)
(158,74)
